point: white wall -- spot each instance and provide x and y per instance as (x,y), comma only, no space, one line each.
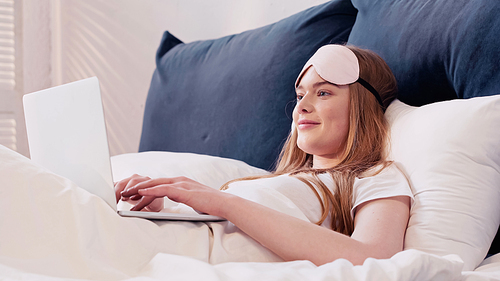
(116,41)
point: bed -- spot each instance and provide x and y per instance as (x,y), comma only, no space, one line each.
(220,109)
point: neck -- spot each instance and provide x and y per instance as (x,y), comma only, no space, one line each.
(320,162)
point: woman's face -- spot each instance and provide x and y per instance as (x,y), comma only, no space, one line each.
(321,117)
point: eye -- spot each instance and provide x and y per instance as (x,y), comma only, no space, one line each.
(323,93)
(299,97)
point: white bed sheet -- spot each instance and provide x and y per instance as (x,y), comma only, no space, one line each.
(51,229)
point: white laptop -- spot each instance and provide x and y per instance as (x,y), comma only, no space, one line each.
(67,135)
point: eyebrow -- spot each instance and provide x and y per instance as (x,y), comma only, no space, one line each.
(318,84)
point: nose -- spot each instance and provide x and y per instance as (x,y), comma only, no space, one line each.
(305,105)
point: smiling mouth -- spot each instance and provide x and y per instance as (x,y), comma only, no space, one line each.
(306,124)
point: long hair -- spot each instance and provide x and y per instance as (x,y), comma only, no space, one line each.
(365,145)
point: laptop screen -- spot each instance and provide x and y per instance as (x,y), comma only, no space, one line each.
(67,135)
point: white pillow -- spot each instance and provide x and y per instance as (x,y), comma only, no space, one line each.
(450,152)
(209,170)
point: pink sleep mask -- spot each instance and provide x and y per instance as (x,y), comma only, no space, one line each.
(338,65)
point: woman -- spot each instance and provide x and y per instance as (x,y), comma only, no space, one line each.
(336,149)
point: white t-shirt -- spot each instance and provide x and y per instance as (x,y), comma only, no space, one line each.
(290,195)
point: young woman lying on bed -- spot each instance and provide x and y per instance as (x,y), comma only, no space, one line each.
(335,153)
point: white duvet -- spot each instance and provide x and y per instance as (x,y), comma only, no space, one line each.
(50,229)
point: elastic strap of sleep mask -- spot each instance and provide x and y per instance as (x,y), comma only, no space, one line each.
(372,90)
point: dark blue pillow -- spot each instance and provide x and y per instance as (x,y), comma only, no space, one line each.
(233,96)
(438,50)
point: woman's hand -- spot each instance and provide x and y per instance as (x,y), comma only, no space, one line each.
(155,205)
(180,189)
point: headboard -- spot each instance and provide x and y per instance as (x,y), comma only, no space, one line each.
(232,97)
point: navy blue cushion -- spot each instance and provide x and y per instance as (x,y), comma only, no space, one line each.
(233,96)
(438,50)
(495,245)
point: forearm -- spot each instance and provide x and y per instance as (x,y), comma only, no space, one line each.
(289,237)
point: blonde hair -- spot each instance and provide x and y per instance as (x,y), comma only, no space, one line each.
(365,148)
